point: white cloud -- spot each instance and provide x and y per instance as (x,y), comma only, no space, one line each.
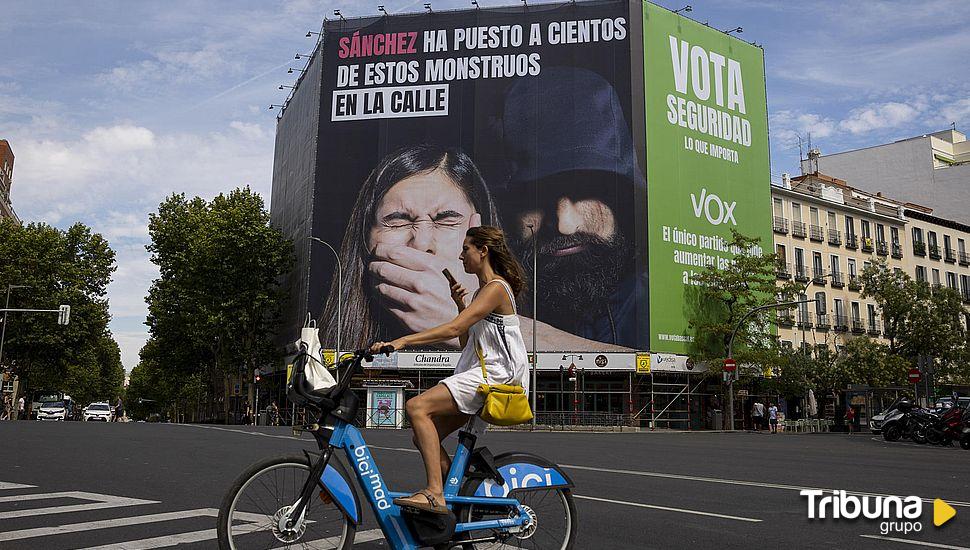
(248,130)
(788,125)
(877,117)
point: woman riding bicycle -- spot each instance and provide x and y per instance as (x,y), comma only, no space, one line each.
(487,326)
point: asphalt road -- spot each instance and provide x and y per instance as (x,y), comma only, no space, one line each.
(130,486)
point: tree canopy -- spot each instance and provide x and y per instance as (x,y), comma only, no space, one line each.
(72,267)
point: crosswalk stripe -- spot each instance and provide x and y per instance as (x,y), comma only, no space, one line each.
(101,502)
(6,485)
(160,542)
(170,540)
(106,524)
(363,536)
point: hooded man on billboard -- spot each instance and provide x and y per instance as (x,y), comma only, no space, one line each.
(574,178)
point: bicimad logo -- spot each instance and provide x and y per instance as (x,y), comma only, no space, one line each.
(897,514)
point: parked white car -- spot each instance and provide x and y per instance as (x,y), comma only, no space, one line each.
(52,410)
(98,412)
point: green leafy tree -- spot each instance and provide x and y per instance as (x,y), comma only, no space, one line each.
(865,361)
(722,296)
(919,320)
(215,306)
(73,267)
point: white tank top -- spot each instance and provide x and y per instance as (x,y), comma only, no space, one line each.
(506,359)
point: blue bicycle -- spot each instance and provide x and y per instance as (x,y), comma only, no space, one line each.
(512,500)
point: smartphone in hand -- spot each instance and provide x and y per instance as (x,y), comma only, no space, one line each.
(449,276)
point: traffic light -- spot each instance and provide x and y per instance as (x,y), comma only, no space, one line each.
(64,315)
(256,376)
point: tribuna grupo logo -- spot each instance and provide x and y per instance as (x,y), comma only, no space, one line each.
(898,514)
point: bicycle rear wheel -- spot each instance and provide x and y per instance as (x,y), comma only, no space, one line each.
(250,511)
(554,520)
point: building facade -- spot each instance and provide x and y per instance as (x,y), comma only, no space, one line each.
(932,170)
(827,232)
(6,180)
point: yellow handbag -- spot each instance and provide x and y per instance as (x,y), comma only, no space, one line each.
(505,404)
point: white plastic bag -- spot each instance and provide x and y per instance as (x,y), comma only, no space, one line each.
(317,374)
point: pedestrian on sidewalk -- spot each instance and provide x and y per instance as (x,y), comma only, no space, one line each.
(757,415)
(20,409)
(7,408)
(850,418)
(119,410)
(773,418)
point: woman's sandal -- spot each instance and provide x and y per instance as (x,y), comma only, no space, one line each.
(423,501)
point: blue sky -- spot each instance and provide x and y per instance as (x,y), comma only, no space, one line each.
(110,106)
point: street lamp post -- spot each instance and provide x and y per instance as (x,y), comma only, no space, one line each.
(737,327)
(3,331)
(340,294)
(535,352)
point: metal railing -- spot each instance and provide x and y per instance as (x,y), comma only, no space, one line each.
(819,277)
(851,241)
(836,279)
(841,323)
(786,319)
(783,270)
(919,248)
(882,248)
(798,229)
(935,251)
(857,326)
(780,225)
(822,321)
(804,320)
(950,255)
(835,237)
(897,250)
(855,282)
(579,421)
(867,244)
(874,327)
(964,259)
(801,273)
(816,233)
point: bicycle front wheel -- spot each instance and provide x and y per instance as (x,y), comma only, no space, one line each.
(250,512)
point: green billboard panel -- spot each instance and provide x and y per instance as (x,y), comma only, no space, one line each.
(707,159)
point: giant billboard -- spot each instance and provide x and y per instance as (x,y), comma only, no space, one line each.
(534,119)
(516,117)
(707,159)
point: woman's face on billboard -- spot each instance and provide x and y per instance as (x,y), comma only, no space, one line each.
(426,212)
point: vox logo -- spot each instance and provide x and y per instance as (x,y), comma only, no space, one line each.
(714,208)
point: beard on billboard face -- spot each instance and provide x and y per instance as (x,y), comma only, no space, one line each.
(577,274)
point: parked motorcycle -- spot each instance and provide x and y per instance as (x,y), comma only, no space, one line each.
(948,428)
(965,436)
(903,420)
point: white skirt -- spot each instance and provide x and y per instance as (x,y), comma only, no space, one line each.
(464,388)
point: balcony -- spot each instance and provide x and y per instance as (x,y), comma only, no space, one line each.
(841,323)
(919,248)
(867,244)
(950,255)
(835,237)
(801,274)
(837,280)
(851,242)
(780,225)
(897,251)
(798,229)
(964,259)
(783,270)
(857,326)
(874,327)
(855,283)
(816,233)
(786,319)
(822,322)
(818,277)
(804,320)
(934,252)
(882,248)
